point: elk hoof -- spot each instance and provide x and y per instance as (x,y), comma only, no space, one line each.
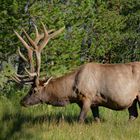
(97,120)
(132,118)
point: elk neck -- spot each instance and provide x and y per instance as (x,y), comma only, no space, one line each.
(59,91)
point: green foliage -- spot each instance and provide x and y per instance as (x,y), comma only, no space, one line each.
(5,74)
(102,31)
(95,31)
(9,20)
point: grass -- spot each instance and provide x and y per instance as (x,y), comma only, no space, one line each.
(45,122)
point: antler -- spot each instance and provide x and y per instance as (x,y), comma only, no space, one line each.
(36,47)
(47,36)
(29,50)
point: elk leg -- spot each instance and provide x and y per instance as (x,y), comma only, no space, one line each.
(133,113)
(95,112)
(84,109)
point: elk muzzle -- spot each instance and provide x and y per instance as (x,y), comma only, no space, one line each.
(30,100)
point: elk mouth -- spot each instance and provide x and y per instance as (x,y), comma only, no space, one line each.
(27,103)
(22,103)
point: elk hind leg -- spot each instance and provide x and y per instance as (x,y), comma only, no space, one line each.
(133,112)
(95,112)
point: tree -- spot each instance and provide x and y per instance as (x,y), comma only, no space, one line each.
(102,31)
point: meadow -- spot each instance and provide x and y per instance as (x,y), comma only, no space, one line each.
(43,122)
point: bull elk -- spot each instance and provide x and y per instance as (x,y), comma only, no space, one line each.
(115,86)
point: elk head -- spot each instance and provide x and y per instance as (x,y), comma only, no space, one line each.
(34,48)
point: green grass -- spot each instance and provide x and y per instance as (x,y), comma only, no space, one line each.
(45,122)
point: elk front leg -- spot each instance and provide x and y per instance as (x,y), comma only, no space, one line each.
(85,107)
(95,112)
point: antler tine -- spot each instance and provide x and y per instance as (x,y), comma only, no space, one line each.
(52,30)
(31,74)
(23,42)
(38,63)
(20,80)
(48,36)
(38,36)
(29,49)
(44,29)
(30,40)
(21,76)
(56,32)
(15,78)
(36,30)
(30,57)
(46,83)
(21,55)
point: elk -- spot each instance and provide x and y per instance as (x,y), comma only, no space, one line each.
(115,86)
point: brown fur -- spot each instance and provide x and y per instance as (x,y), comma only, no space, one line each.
(115,86)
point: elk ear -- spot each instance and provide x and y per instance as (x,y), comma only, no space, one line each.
(47,82)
